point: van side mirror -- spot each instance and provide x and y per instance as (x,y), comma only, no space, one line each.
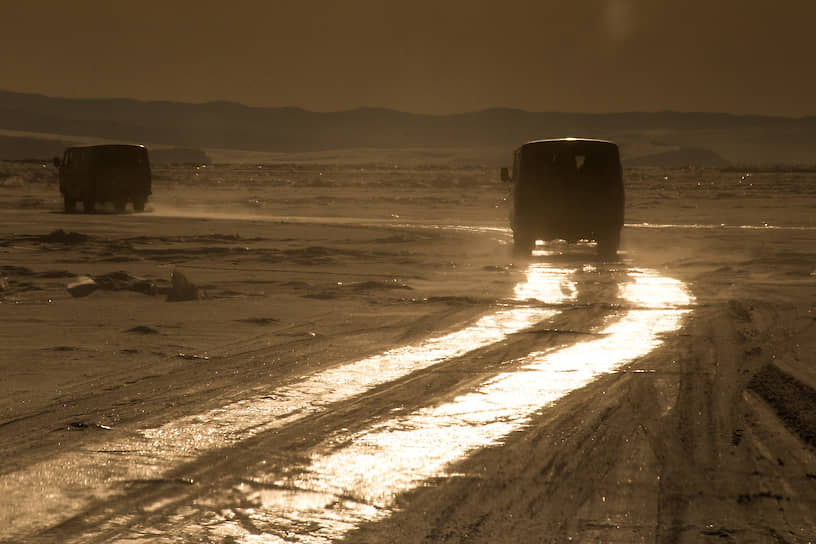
(57,162)
(505,175)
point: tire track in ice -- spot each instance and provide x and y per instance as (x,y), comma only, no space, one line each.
(58,488)
(357,483)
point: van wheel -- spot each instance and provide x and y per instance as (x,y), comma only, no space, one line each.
(119,205)
(69,204)
(608,243)
(523,244)
(138,203)
(89,205)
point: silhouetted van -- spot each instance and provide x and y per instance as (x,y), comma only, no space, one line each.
(104,173)
(570,189)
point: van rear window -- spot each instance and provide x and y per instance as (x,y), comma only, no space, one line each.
(120,154)
(567,160)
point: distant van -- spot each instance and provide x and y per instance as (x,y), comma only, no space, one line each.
(569,189)
(104,173)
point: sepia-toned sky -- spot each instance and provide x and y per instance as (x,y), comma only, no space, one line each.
(427,56)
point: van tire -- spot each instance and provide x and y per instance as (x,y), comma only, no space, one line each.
(608,243)
(89,205)
(68,204)
(523,244)
(119,205)
(138,203)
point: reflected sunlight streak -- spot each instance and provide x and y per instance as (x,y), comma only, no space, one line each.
(358,482)
(400,454)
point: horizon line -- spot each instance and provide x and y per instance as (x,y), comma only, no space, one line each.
(403,112)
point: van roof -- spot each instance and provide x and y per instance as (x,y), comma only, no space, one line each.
(567,140)
(107,146)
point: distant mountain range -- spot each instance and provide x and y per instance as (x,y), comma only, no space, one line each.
(37,125)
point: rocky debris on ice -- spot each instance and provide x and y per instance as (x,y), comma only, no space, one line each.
(182,288)
(82,286)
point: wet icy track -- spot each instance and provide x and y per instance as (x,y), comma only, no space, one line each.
(358,482)
(342,486)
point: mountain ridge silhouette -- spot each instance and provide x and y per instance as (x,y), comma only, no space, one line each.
(230,125)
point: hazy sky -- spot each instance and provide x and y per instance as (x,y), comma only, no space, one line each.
(439,56)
